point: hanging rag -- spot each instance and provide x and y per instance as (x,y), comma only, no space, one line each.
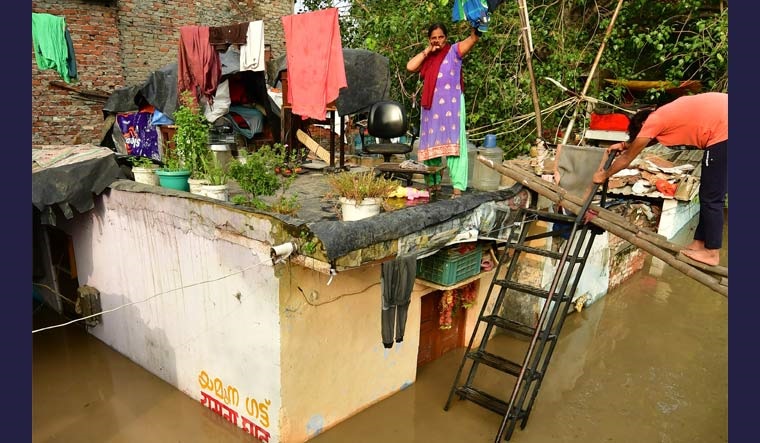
(50,45)
(71,60)
(221,37)
(396,283)
(316,71)
(252,52)
(198,68)
(476,12)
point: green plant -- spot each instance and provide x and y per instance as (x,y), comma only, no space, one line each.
(141,162)
(173,164)
(256,175)
(309,245)
(287,205)
(666,40)
(214,173)
(191,138)
(358,186)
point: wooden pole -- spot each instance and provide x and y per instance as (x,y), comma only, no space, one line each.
(590,77)
(650,242)
(529,62)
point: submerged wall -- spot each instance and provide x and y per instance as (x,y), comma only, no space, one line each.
(194,302)
(282,351)
(333,361)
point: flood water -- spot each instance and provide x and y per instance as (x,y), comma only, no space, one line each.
(646,363)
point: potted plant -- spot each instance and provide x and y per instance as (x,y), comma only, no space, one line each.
(215,178)
(191,139)
(256,175)
(144,170)
(362,194)
(173,175)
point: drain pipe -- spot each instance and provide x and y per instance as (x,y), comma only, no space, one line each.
(281,252)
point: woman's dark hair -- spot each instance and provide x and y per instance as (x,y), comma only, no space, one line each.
(440,26)
(637,121)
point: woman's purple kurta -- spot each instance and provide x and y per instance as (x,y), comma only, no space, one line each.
(440,125)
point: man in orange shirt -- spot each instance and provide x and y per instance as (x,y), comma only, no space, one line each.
(691,122)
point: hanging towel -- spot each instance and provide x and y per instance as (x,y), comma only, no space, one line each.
(49,40)
(252,52)
(396,283)
(316,72)
(198,66)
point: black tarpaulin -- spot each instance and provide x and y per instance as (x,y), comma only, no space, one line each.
(340,238)
(159,90)
(67,177)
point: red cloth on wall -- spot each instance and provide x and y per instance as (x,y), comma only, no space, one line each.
(316,72)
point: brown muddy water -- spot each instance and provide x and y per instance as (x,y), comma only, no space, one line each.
(646,363)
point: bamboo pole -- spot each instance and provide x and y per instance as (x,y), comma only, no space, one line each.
(590,77)
(529,62)
(604,220)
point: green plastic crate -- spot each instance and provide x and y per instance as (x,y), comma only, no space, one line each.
(449,266)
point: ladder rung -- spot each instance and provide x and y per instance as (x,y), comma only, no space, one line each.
(486,400)
(513,326)
(538,251)
(527,289)
(550,216)
(496,362)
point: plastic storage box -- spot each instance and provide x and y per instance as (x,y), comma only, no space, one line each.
(449,266)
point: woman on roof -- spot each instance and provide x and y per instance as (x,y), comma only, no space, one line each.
(442,119)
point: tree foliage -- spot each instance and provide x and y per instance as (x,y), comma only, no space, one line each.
(673,40)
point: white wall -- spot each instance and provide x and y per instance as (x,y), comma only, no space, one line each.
(198,311)
(675,215)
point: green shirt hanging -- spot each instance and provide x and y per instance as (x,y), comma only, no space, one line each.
(49,40)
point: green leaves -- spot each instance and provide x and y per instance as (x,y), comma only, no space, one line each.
(650,40)
(191,138)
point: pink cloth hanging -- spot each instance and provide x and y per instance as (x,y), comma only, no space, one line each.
(198,67)
(316,72)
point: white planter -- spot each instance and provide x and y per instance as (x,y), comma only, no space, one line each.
(351,210)
(196,184)
(219,192)
(146,175)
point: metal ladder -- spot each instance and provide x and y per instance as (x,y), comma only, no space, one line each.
(545,332)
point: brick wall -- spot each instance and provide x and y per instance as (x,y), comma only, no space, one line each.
(118,43)
(58,115)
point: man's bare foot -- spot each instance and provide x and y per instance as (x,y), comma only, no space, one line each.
(456,193)
(709,257)
(696,245)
